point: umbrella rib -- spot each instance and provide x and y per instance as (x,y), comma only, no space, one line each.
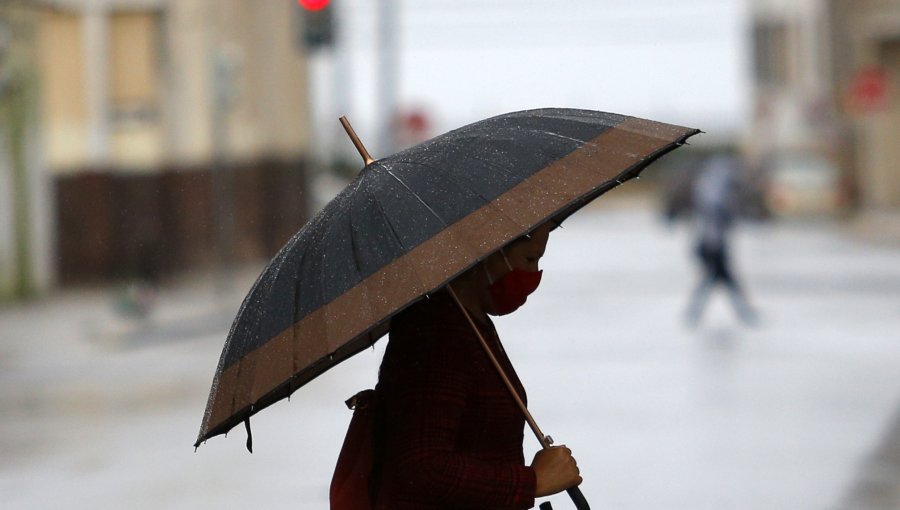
(487,202)
(557,135)
(394,233)
(502,168)
(387,221)
(472,190)
(413,193)
(354,245)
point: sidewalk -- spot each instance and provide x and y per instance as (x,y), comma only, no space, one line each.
(799,413)
(877,486)
(882,227)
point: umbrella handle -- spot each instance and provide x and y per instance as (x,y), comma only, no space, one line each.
(578,498)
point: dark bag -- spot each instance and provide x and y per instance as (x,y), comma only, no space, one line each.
(351,485)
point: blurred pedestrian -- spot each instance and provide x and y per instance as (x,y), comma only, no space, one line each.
(677,186)
(716,203)
(449,435)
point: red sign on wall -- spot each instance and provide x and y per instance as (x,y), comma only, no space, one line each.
(869,90)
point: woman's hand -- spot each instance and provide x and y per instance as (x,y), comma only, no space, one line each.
(555,470)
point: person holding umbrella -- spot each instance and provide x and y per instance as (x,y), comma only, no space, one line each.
(425,244)
(448,433)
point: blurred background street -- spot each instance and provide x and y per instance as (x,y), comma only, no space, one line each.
(154,154)
(797,412)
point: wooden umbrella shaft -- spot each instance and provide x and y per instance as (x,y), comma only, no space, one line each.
(545,441)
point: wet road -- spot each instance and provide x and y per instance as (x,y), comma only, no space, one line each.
(798,412)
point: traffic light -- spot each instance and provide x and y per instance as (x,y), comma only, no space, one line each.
(313,5)
(318,23)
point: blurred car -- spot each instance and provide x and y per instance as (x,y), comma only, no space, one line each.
(802,183)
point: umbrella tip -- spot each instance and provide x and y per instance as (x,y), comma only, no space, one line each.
(367,159)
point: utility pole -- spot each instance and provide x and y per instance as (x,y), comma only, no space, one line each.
(15,116)
(387,75)
(341,76)
(95,38)
(226,68)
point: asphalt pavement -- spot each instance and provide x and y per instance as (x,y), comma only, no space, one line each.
(799,411)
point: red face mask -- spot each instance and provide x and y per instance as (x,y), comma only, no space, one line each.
(512,290)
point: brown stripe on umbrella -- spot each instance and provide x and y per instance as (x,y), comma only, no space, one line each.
(344,325)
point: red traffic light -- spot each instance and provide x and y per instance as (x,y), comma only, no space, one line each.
(313,5)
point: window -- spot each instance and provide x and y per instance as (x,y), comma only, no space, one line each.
(770,53)
(134,71)
(134,66)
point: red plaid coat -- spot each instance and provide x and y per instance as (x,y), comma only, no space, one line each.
(449,433)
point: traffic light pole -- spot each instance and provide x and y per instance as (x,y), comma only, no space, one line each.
(387,74)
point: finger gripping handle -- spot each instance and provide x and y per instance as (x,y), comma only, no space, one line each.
(578,498)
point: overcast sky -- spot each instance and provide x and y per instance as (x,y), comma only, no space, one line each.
(680,61)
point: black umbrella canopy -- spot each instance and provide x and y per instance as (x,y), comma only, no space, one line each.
(406,226)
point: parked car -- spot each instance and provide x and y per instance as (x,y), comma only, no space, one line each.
(802,183)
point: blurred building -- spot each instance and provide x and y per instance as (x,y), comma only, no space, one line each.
(827,103)
(865,49)
(174,133)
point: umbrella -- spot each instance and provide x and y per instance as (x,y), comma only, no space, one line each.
(406,226)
